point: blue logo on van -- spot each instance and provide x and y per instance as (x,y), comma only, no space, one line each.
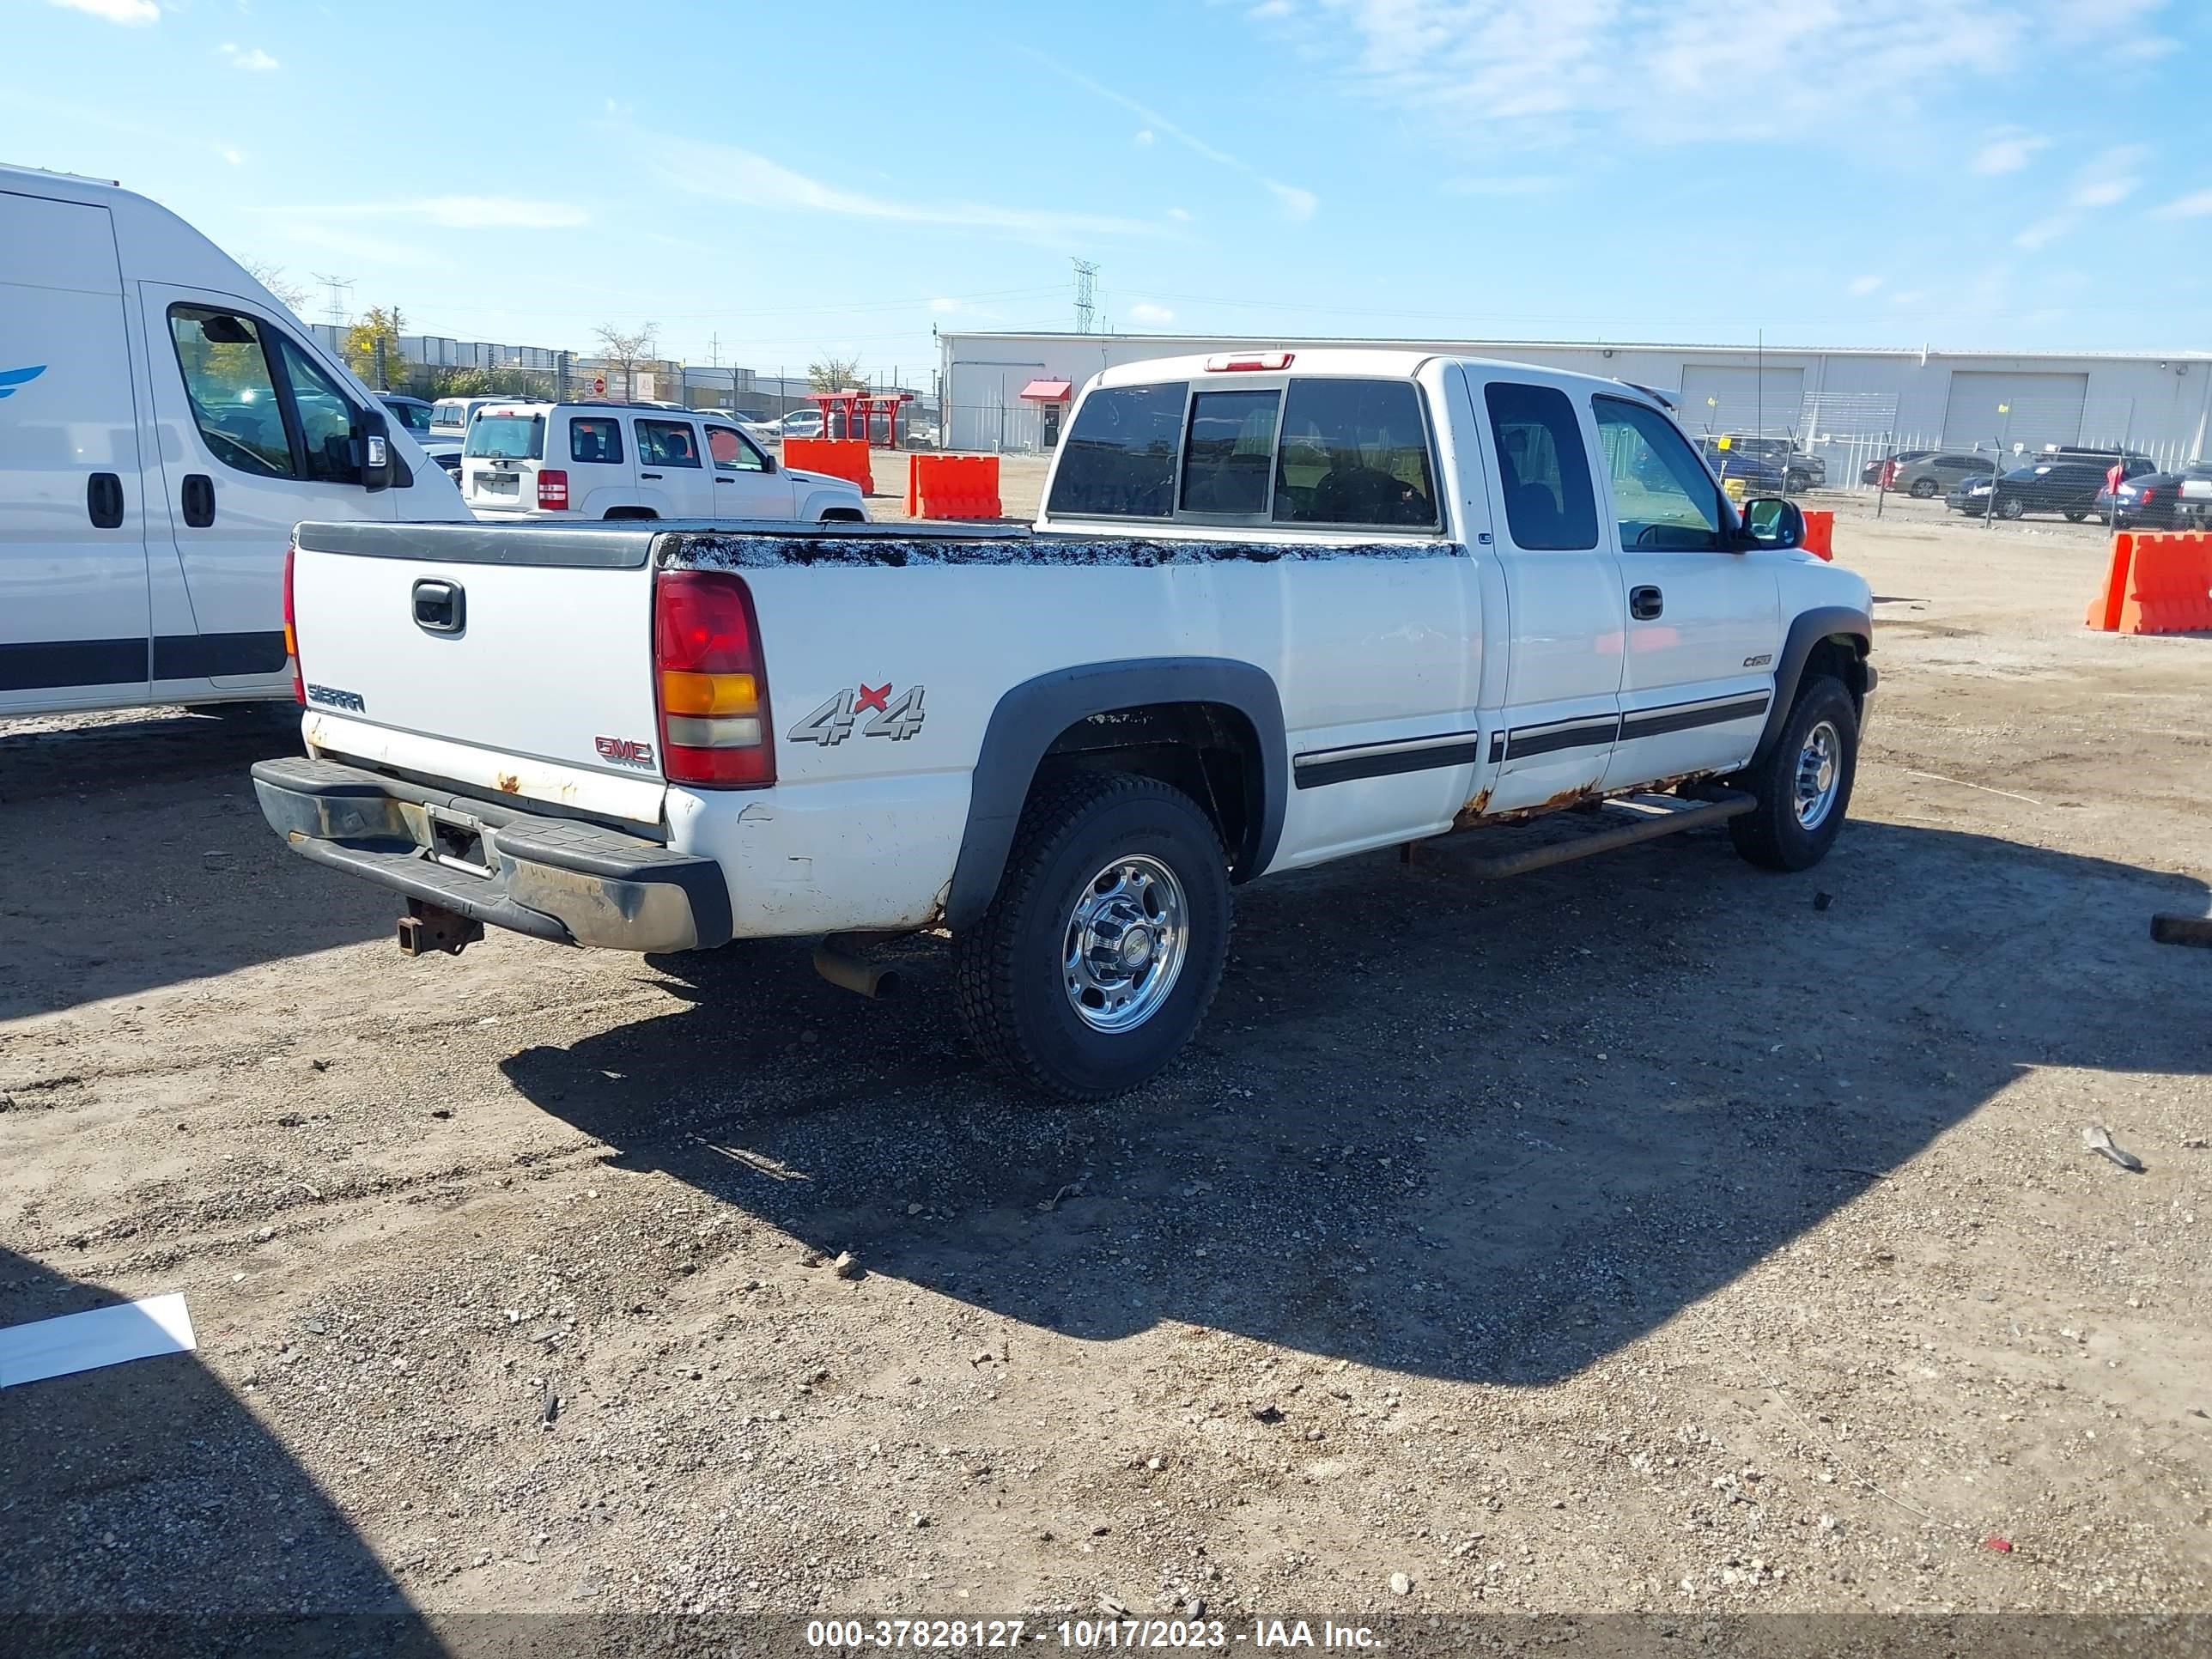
(12,378)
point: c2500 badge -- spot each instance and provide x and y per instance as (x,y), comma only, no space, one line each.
(832,723)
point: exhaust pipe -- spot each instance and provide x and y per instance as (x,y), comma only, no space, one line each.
(839,968)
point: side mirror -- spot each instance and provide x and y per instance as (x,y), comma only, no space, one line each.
(1771,521)
(375,451)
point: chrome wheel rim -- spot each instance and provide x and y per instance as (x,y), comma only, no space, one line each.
(1820,774)
(1125,943)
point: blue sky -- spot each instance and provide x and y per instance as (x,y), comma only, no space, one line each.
(787,179)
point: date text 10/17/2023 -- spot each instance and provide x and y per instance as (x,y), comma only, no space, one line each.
(858,1635)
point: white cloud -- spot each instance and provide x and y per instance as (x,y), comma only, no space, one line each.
(251,58)
(2109,180)
(945,307)
(375,250)
(458,212)
(236,157)
(1268,9)
(2045,231)
(2007,152)
(2194,205)
(1911,296)
(1145,136)
(1151,315)
(1181,215)
(1862,286)
(725,173)
(1297,202)
(115,11)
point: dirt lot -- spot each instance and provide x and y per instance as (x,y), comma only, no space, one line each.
(1651,1233)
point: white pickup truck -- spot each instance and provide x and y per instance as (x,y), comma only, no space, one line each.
(1279,609)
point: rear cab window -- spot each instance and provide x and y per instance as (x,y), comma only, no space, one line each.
(1118,460)
(1229,451)
(1355,453)
(505,435)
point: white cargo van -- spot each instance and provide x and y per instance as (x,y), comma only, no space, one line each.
(601,461)
(164,422)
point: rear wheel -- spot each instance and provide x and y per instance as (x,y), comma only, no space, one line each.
(1105,943)
(2074,515)
(2010,507)
(1804,786)
(1922,488)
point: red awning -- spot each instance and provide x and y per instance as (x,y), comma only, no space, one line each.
(1047,392)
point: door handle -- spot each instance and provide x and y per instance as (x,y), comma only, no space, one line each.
(198,500)
(655,477)
(103,500)
(1645,603)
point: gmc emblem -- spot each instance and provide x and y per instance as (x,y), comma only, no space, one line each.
(624,752)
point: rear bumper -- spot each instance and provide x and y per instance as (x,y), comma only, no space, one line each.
(554,878)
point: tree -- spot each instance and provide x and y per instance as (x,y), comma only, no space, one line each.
(834,373)
(625,351)
(272,277)
(372,346)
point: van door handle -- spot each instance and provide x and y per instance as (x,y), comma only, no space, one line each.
(1645,603)
(655,477)
(103,500)
(198,500)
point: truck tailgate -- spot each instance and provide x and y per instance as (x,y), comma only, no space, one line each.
(516,658)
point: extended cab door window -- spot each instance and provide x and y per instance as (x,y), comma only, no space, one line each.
(1662,495)
(1118,460)
(1354,452)
(1543,469)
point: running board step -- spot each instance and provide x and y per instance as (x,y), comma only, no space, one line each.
(1649,817)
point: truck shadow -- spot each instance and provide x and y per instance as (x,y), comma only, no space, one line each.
(1493,1132)
(146,1510)
(138,858)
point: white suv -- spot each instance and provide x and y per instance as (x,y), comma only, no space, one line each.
(632,461)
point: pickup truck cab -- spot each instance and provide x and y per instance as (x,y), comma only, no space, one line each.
(599,460)
(1279,609)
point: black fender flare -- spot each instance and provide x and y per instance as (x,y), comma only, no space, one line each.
(1807,631)
(1029,717)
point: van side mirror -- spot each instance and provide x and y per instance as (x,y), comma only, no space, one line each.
(1771,521)
(375,451)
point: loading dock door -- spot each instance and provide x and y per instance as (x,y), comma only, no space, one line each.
(2041,408)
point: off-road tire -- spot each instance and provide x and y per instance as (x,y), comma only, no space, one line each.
(1769,834)
(1007,967)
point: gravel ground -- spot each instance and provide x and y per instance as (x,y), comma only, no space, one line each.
(1648,1234)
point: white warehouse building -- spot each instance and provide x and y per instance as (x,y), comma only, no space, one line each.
(1010,392)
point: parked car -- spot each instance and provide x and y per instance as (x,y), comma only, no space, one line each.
(415,414)
(450,416)
(1937,474)
(2067,486)
(1872,471)
(1281,581)
(1761,469)
(635,461)
(164,422)
(801,424)
(2159,501)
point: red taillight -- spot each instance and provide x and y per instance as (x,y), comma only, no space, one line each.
(709,682)
(552,489)
(1263,360)
(292,630)
(2147,497)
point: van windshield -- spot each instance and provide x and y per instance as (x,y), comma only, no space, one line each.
(507,437)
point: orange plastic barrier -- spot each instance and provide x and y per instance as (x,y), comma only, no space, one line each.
(952,486)
(1820,533)
(2158,583)
(840,457)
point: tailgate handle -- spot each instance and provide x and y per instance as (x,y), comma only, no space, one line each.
(441,607)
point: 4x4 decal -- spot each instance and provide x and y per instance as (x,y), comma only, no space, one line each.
(832,723)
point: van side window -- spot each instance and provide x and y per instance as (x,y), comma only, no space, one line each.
(731,451)
(325,418)
(1545,471)
(1354,451)
(595,440)
(231,389)
(1662,494)
(1118,460)
(1229,451)
(666,443)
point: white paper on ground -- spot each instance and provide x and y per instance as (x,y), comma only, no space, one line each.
(86,1341)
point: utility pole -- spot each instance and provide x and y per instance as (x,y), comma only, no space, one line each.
(339,288)
(1086,292)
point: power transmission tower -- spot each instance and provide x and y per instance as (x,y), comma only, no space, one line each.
(1086,290)
(339,288)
